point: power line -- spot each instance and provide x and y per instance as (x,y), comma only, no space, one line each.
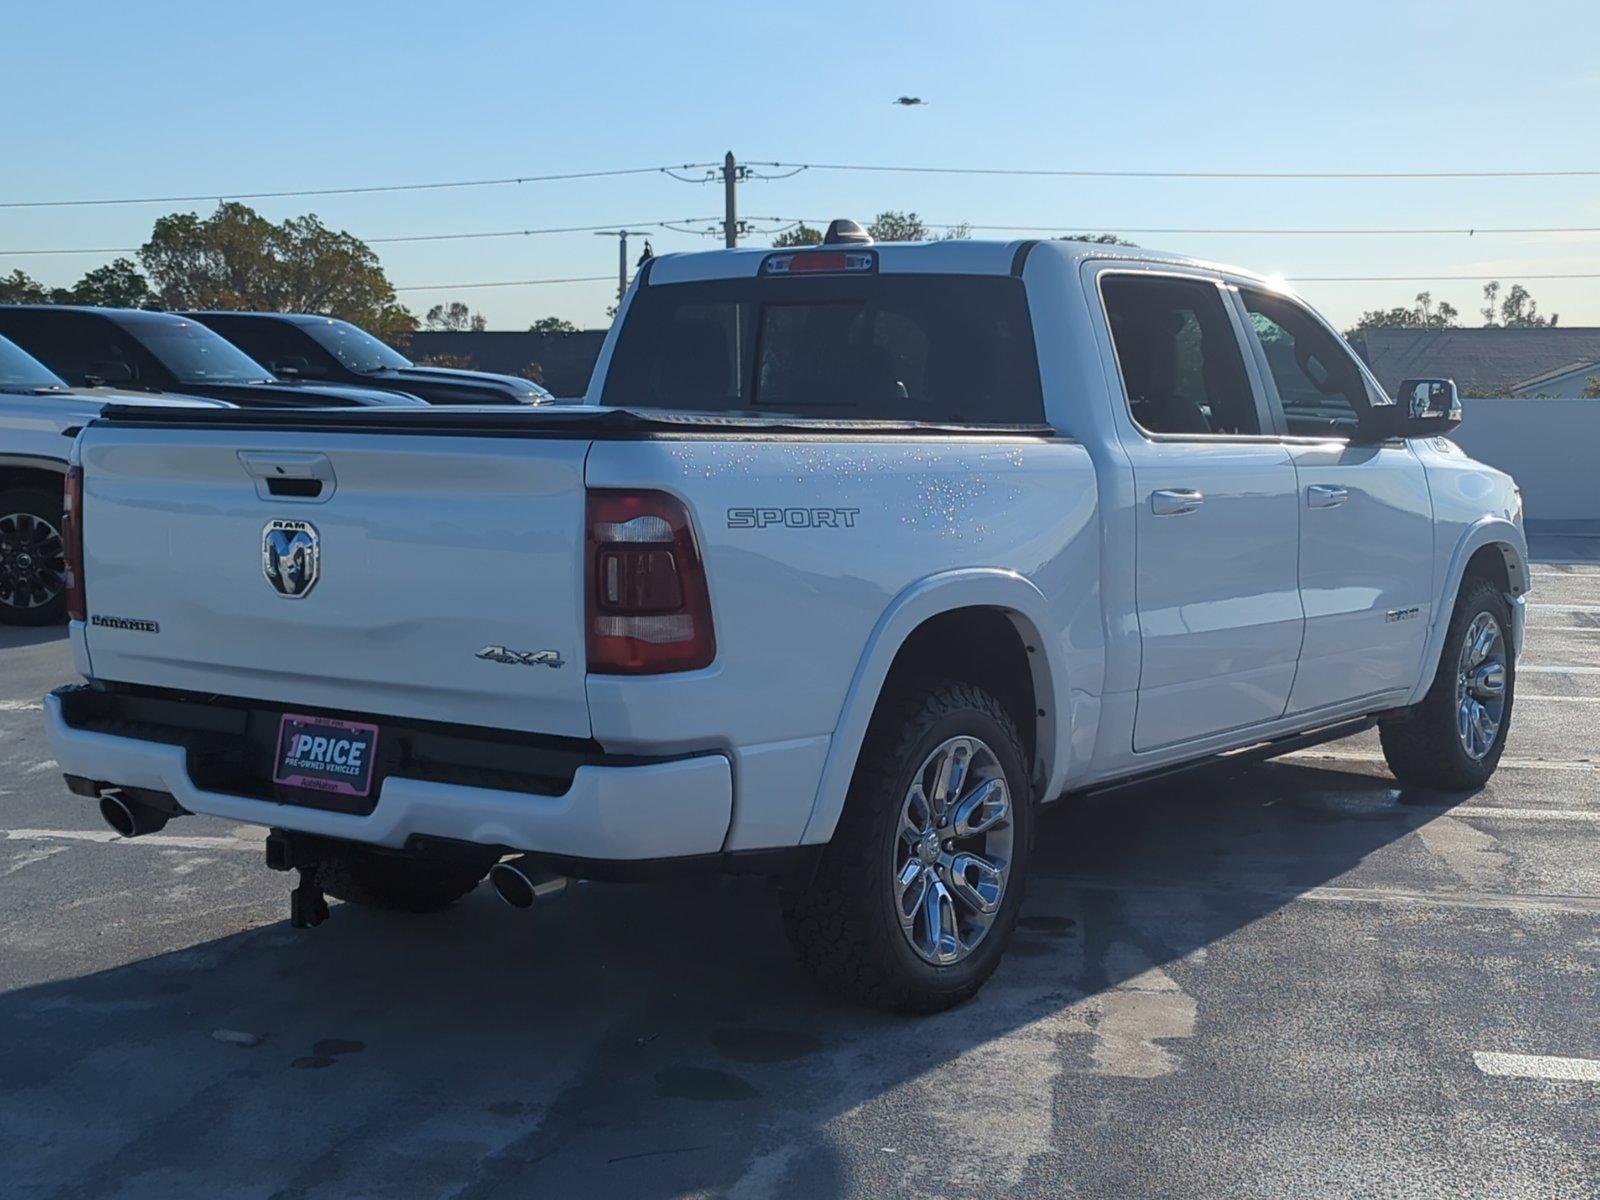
(791,168)
(1512,275)
(349,191)
(785,223)
(1100,174)
(454,287)
(415,237)
(1469,231)
(503,233)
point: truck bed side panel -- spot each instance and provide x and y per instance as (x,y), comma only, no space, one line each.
(807,543)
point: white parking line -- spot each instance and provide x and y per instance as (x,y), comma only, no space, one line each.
(1527,764)
(1519,814)
(1232,892)
(20,706)
(1525,697)
(1546,669)
(1555,607)
(1538,1066)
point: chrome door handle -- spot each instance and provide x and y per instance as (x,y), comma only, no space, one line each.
(1174,502)
(1326,495)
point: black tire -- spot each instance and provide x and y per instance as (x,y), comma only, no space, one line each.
(32,591)
(1422,744)
(377,878)
(844,927)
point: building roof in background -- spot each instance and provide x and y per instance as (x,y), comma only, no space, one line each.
(1480,360)
(1577,373)
(566,360)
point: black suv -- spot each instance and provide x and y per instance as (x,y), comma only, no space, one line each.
(164,352)
(303,346)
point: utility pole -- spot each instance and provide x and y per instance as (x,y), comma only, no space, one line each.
(730,201)
(622,236)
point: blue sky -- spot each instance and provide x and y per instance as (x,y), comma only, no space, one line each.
(113,99)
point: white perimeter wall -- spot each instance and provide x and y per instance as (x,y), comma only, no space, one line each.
(1551,446)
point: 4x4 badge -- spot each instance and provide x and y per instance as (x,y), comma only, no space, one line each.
(522,658)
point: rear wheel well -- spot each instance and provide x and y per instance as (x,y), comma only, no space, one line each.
(988,647)
(14,479)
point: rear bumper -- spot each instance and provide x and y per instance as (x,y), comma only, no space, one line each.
(655,810)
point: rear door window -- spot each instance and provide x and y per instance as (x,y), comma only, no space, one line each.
(954,348)
(1181,364)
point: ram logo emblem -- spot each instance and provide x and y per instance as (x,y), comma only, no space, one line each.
(291,557)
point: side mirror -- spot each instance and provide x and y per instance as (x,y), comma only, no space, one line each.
(295,367)
(111,371)
(1428,407)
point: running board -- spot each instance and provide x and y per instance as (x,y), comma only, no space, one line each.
(1256,752)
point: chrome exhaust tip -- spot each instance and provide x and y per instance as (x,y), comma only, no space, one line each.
(130,818)
(522,883)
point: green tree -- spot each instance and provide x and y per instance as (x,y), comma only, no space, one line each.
(1591,389)
(118,284)
(1422,314)
(893,226)
(552,325)
(235,258)
(1099,239)
(454,317)
(1517,310)
(21,288)
(801,235)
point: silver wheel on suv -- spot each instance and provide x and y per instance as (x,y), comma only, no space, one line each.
(953,856)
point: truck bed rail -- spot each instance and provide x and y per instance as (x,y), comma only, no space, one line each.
(581,420)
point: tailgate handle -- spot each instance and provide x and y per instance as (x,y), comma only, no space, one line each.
(284,475)
(294,489)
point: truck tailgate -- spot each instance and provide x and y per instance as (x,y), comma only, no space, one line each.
(448,582)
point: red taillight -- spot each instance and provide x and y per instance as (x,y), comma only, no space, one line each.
(72,542)
(645,601)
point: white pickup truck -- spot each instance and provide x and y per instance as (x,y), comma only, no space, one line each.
(852,558)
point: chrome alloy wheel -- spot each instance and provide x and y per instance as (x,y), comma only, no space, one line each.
(952,855)
(1481,686)
(33,561)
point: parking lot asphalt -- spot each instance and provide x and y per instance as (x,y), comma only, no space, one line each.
(1297,981)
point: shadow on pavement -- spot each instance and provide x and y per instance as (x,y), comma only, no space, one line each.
(31,635)
(638,1040)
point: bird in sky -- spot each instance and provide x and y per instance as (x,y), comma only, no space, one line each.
(910,101)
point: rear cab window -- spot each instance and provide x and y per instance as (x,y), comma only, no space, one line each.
(905,347)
